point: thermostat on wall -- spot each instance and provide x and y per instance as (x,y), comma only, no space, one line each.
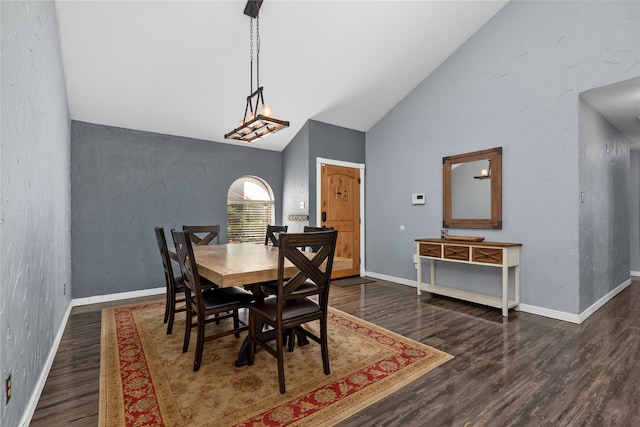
(417,199)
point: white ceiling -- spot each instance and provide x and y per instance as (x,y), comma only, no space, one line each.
(182,67)
(619,103)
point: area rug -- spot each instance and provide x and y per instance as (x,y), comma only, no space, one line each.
(351,281)
(146,380)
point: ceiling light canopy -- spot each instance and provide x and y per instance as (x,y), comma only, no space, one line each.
(257,121)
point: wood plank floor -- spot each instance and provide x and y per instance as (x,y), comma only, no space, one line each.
(527,371)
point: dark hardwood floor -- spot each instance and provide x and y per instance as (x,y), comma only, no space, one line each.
(527,371)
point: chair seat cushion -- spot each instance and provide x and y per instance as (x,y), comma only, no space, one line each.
(221,297)
(308,286)
(290,308)
(206,284)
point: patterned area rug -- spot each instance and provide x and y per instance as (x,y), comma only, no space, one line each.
(146,380)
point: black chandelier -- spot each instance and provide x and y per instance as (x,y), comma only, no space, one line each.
(257,121)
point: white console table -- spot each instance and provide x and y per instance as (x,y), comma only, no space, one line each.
(495,254)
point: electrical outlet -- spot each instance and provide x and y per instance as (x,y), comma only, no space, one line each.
(8,389)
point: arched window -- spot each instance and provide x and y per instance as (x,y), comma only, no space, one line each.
(250,208)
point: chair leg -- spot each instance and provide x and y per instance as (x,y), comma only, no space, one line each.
(280,357)
(166,307)
(171,308)
(199,342)
(236,323)
(291,339)
(324,345)
(187,329)
(251,344)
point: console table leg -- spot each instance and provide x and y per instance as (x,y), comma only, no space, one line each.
(505,291)
(517,287)
(432,264)
(419,282)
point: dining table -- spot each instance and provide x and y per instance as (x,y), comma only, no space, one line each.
(249,265)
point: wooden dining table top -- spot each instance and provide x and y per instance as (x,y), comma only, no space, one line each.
(235,264)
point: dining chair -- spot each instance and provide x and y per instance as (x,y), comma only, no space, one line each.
(202,304)
(174,284)
(273,234)
(309,229)
(289,309)
(203,234)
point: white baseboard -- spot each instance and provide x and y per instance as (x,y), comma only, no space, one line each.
(42,379)
(531,309)
(635,273)
(119,296)
(553,314)
(602,301)
(390,278)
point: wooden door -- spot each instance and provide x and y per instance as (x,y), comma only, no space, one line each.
(340,206)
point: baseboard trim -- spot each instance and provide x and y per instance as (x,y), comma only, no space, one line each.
(119,296)
(391,278)
(602,301)
(635,273)
(526,308)
(552,314)
(44,374)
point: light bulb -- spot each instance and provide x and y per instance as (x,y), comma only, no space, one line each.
(266,110)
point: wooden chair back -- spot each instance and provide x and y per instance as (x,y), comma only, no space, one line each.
(188,268)
(203,234)
(273,234)
(315,269)
(308,229)
(164,254)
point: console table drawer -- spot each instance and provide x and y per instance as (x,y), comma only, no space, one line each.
(427,249)
(487,255)
(460,253)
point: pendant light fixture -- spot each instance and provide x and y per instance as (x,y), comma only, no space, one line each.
(257,121)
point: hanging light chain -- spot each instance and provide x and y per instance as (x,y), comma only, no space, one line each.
(258,51)
(251,55)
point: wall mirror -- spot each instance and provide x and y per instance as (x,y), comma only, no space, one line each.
(472,190)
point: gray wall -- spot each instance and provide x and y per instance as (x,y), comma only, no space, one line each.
(634,216)
(35,290)
(295,172)
(514,84)
(335,143)
(315,139)
(604,214)
(125,182)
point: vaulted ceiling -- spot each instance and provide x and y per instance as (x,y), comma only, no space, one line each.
(182,67)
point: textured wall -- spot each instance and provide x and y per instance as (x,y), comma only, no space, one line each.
(604,214)
(634,216)
(125,182)
(315,139)
(35,201)
(514,84)
(295,174)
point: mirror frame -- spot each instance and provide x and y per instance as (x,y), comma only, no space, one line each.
(495,222)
